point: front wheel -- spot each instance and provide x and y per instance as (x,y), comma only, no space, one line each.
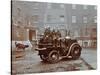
(53,56)
(75,51)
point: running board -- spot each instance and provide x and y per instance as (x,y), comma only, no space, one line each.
(62,57)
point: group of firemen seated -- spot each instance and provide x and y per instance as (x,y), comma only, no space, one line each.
(53,36)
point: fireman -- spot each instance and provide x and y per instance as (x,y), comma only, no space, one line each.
(47,31)
(58,34)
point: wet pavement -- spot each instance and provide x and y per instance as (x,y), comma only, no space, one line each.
(90,56)
(30,62)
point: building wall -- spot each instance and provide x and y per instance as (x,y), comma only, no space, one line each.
(88,36)
(80,12)
(19,34)
(73,17)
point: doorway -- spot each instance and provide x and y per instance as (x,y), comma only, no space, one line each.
(32,35)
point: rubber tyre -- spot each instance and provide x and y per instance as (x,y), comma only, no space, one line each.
(53,57)
(75,51)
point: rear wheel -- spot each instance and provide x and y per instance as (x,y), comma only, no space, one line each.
(75,51)
(53,57)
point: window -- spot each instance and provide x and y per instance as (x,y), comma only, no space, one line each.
(94,29)
(73,19)
(84,19)
(95,7)
(86,32)
(17,34)
(49,18)
(55,6)
(62,18)
(95,19)
(94,43)
(19,22)
(62,5)
(49,5)
(29,23)
(35,8)
(85,7)
(85,44)
(73,6)
(35,5)
(35,18)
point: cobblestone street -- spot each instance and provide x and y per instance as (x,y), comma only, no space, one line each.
(31,63)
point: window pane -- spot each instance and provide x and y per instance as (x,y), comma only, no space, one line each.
(55,6)
(35,5)
(73,6)
(84,19)
(73,19)
(49,5)
(17,34)
(62,18)
(49,18)
(35,18)
(62,5)
(95,7)
(95,19)
(85,7)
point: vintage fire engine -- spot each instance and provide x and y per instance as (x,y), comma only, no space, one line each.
(52,47)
